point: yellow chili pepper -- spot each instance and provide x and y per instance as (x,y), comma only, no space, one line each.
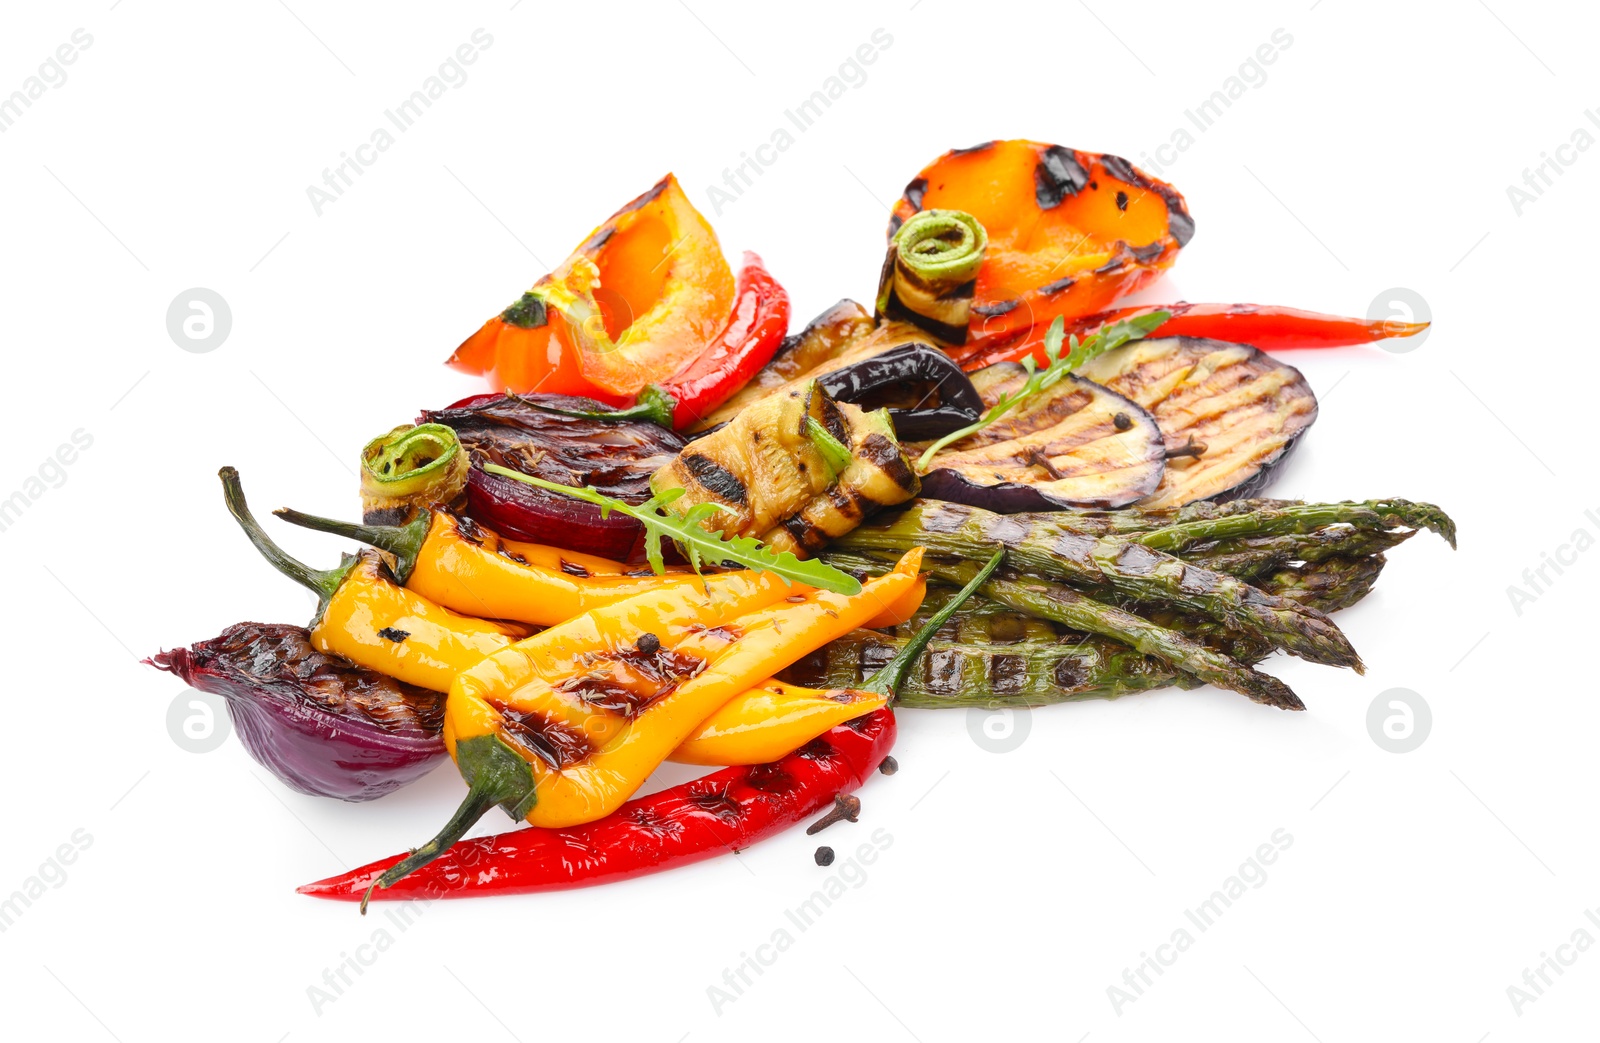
(462,566)
(771,721)
(459,564)
(368,618)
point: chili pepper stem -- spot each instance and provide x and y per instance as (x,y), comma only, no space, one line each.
(496,774)
(404,542)
(888,679)
(322,582)
(474,807)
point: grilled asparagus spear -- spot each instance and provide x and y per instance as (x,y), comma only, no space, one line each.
(994,658)
(1079,612)
(1204,520)
(1280,518)
(1113,566)
(1251,557)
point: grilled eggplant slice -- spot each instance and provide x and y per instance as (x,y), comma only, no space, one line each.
(1230,414)
(925,391)
(1076,445)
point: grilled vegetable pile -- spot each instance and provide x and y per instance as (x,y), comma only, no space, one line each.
(673,531)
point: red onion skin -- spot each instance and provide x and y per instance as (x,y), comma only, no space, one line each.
(303,715)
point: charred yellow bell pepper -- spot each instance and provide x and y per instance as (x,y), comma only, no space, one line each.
(563,727)
(370,619)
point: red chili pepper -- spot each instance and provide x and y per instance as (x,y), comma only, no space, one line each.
(727,810)
(1267,327)
(757,326)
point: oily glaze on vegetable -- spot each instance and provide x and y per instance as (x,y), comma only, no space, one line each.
(1069,232)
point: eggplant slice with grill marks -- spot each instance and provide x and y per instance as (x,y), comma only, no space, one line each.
(1076,445)
(1230,413)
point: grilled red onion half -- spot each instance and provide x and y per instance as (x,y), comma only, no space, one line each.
(322,724)
(617,457)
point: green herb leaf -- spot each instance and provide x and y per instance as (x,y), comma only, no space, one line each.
(699,546)
(1106,338)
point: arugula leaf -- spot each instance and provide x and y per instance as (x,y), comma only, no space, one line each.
(699,546)
(653,404)
(1106,338)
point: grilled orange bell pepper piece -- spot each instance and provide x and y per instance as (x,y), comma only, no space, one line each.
(1069,232)
(646,292)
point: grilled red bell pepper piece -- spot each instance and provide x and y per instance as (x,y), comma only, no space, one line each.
(727,810)
(1264,326)
(759,321)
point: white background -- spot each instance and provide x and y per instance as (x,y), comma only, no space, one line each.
(1018,886)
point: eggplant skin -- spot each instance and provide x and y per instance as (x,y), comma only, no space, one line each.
(321,724)
(904,367)
(1248,409)
(1076,446)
